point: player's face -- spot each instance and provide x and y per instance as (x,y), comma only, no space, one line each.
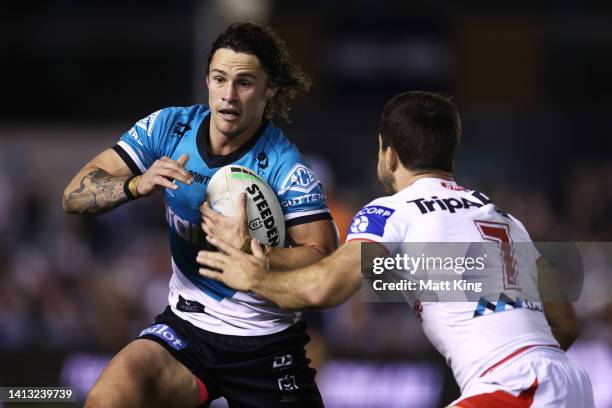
(237,92)
(384,174)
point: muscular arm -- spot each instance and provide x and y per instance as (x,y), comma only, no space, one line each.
(323,284)
(310,242)
(98,187)
(560,314)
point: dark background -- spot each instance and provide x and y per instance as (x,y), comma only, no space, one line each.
(531,79)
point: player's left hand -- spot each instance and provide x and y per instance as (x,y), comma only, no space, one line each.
(239,270)
(234,230)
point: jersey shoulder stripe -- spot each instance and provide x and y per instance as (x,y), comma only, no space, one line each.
(156,135)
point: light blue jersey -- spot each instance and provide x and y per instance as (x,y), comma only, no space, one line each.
(175,131)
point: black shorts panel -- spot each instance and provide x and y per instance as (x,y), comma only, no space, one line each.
(249,371)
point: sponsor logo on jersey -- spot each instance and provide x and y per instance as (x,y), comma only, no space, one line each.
(189,231)
(148,123)
(180,129)
(165,333)
(451,204)
(371,220)
(199,178)
(308,198)
(132,132)
(266,215)
(300,179)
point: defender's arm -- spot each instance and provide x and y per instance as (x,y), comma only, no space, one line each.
(326,283)
(559,313)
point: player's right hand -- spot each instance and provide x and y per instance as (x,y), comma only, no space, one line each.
(162,174)
(231,266)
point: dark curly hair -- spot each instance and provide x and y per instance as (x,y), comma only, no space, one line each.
(273,55)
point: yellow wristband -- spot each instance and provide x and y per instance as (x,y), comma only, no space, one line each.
(130,187)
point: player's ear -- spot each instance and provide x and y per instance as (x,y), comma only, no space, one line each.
(207,80)
(391,159)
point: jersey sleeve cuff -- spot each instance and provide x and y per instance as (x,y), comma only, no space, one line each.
(291,220)
(129,157)
(364,239)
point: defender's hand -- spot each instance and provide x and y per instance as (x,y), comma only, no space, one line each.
(233,230)
(239,270)
(161,175)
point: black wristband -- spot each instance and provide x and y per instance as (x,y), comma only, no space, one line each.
(126,188)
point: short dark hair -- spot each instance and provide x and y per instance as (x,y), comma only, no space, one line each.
(275,59)
(424,128)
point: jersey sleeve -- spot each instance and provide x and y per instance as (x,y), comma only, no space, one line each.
(299,190)
(148,140)
(379,222)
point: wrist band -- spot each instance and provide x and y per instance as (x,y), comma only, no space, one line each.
(129,187)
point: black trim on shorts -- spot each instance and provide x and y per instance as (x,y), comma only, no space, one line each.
(308,218)
(127,159)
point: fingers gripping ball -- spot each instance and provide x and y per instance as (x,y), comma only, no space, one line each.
(264,213)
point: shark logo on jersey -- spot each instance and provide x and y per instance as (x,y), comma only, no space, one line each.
(371,220)
(300,179)
(147,123)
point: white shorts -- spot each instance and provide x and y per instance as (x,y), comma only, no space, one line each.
(537,377)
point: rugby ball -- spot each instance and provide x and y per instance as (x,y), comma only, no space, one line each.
(264,212)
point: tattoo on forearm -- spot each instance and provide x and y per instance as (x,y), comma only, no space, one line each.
(98,192)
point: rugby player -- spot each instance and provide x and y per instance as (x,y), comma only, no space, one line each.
(211,340)
(510,356)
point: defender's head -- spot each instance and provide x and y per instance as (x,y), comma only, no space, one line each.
(250,75)
(421,132)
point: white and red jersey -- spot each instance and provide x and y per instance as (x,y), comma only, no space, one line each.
(471,335)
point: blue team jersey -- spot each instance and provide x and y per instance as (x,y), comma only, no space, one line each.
(175,131)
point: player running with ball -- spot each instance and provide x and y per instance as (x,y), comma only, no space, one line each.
(500,356)
(212,340)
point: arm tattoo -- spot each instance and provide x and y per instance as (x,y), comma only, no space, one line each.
(98,193)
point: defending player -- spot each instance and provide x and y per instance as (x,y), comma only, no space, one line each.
(500,358)
(212,340)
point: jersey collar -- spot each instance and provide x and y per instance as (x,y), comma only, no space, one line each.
(216,160)
(432,181)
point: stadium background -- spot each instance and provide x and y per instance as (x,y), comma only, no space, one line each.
(532,80)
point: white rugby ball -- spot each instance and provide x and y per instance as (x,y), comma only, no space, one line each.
(264,212)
